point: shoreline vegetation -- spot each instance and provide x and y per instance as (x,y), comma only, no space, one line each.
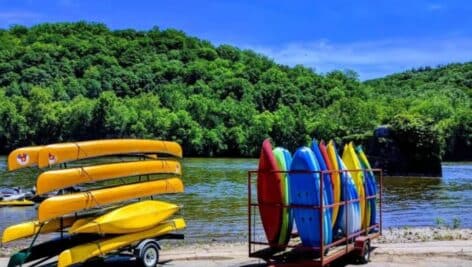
(80,81)
(389,236)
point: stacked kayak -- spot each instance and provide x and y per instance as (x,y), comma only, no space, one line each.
(288,189)
(101,219)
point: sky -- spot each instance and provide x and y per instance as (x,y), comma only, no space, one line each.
(374,38)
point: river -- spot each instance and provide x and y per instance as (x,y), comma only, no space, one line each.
(215,198)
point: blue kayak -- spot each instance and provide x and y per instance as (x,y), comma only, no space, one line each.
(305,190)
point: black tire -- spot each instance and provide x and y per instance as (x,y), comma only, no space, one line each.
(148,254)
(365,257)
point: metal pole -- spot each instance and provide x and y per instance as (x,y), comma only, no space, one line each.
(322,211)
(249,211)
(380,200)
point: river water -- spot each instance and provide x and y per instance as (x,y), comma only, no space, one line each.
(215,198)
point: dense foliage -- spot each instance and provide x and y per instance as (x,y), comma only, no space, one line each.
(76,81)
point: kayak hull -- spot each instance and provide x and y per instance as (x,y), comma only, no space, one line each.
(269,194)
(23,157)
(57,179)
(65,152)
(129,219)
(61,205)
(97,248)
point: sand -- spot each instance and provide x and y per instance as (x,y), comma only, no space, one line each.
(397,247)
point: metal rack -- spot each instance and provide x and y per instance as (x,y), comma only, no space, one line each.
(294,253)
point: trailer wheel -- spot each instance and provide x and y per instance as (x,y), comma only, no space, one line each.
(147,253)
(365,257)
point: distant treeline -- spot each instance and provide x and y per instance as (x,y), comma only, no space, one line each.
(77,81)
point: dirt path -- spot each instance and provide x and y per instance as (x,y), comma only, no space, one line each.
(437,253)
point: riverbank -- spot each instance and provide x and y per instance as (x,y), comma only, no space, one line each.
(397,247)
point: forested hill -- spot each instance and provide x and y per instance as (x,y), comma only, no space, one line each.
(76,81)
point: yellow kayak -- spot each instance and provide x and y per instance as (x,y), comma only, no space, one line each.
(61,205)
(129,219)
(9,203)
(30,228)
(57,179)
(23,157)
(352,163)
(332,154)
(65,152)
(87,251)
(27,229)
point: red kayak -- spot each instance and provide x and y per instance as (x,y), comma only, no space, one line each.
(269,194)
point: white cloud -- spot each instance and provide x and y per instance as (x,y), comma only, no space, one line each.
(371,59)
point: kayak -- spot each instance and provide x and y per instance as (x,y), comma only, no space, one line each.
(284,159)
(332,165)
(57,179)
(61,205)
(101,247)
(305,190)
(327,183)
(27,229)
(129,219)
(30,228)
(23,157)
(269,194)
(66,152)
(350,159)
(352,210)
(24,202)
(370,178)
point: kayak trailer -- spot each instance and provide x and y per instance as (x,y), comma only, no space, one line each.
(145,251)
(356,245)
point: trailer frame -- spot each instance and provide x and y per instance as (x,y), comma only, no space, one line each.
(357,243)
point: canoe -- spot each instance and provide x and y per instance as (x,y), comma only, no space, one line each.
(101,247)
(61,205)
(57,179)
(370,177)
(335,181)
(10,203)
(50,248)
(305,190)
(327,184)
(65,152)
(284,159)
(352,164)
(30,228)
(23,157)
(131,218)
(269,194)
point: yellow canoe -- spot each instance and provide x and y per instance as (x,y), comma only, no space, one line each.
(30,228)
(23,157)
(87,251)
(27,229)
(9,203)
(332,154)
(61,205)
(65,152)
(57,179)
(129,219)
(352,163)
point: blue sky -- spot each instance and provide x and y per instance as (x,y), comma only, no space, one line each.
(374,38)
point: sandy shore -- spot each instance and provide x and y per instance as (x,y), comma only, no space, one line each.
(397,247)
